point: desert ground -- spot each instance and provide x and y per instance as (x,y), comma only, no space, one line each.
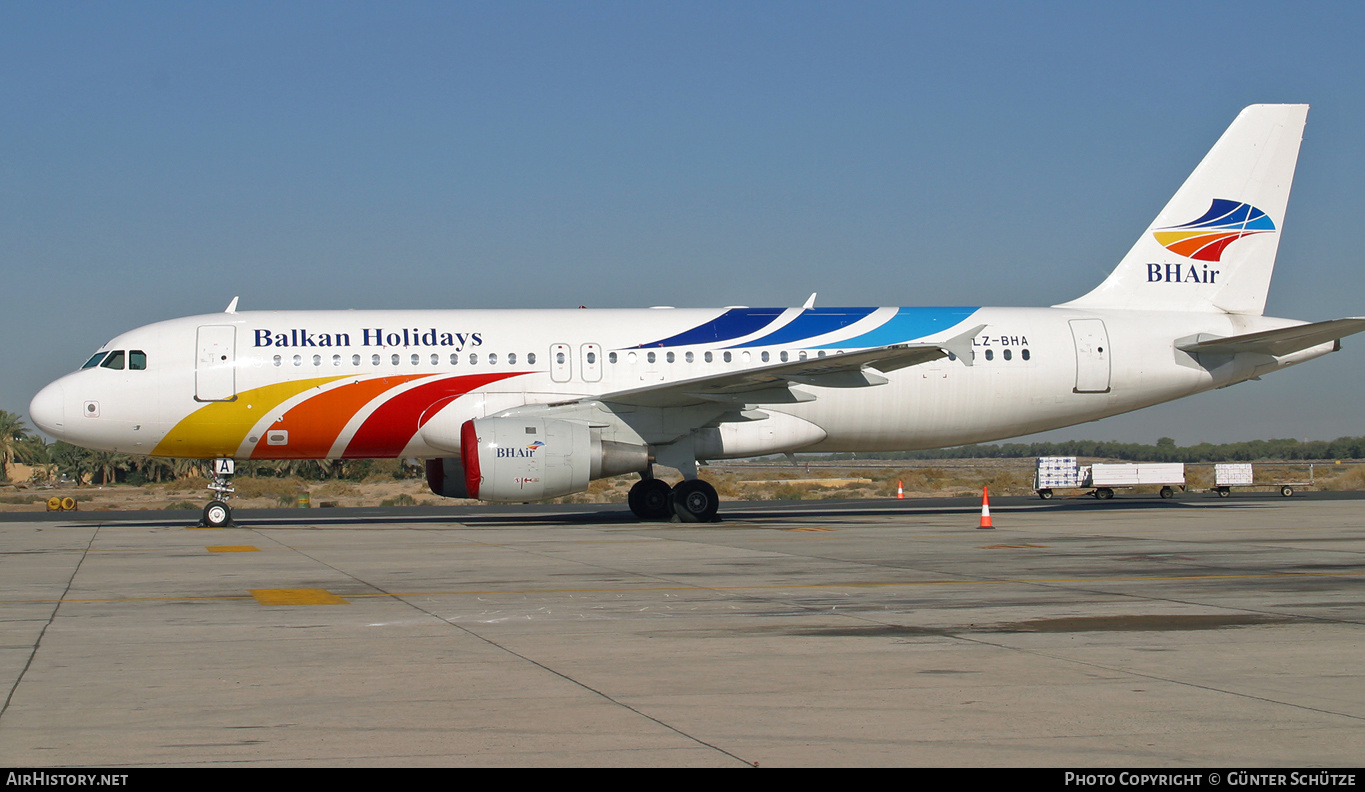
(759,480)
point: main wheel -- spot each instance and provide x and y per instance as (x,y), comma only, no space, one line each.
(648,499)
(695,501)
(217,514)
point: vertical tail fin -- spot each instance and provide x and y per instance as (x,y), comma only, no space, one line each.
(1213,247)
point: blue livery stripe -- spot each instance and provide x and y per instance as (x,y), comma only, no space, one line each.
(734,323)
(909,324)
(814,322)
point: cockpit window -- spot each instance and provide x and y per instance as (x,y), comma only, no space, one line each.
(114,361)
(137,360)
(95,360)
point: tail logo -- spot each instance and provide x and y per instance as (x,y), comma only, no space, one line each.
(1206,238)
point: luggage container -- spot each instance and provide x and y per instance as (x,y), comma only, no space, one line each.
(1227,475)
(1105,478)
(1056,473)
(1102,479)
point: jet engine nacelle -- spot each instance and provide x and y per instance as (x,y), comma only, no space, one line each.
(515,459)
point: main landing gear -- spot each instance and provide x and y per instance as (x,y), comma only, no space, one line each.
(218,514)
(692,500)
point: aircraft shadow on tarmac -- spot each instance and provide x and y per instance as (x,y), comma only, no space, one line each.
(618,514)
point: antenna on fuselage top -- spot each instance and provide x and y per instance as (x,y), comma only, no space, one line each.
(232,306)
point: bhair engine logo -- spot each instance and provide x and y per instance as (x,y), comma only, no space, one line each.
(506,452)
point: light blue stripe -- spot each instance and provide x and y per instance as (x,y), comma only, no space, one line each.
(909,324)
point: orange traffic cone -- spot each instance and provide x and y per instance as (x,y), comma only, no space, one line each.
(900,490)
(985,508)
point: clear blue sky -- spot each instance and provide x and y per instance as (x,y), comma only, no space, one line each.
(158,159)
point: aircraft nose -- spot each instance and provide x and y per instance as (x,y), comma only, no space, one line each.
(48,409)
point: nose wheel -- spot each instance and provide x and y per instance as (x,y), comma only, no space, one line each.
(217,515)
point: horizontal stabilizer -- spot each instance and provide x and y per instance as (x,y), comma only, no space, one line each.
(1284,341)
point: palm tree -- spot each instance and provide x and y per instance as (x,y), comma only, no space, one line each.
(108,464)
(72,461)
(152,468)
(12,433)
(35,452)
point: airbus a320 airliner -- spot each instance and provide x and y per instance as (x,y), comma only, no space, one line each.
(520,406)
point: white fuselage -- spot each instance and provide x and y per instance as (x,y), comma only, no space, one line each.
(332,384)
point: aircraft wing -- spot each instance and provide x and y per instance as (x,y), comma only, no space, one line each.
(1283,341)
(772,384)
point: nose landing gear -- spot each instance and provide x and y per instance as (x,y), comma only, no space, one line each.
(218,514)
